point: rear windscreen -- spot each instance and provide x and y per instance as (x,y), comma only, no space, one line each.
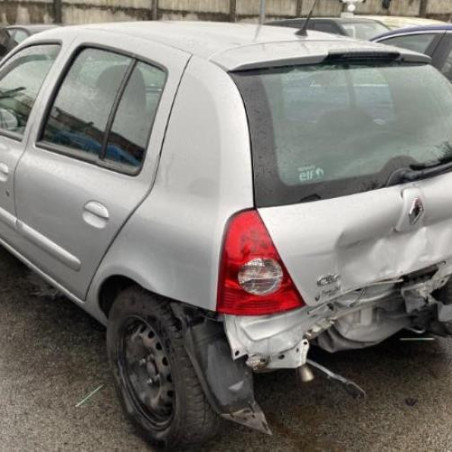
(330,130)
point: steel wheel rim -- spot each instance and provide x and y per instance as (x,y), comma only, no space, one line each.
(146,372)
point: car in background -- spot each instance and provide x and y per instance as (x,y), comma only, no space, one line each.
(395,22)
(6,42)
(21,32)
(434,41)
(357,28)
(13,35)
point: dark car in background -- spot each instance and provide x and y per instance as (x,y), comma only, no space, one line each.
(13,35)
(435,41)
(6,42)
(357,28)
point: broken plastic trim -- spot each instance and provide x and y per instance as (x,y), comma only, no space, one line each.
(252,417)
(227,383)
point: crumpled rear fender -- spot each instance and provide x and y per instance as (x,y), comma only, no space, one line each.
(227,383)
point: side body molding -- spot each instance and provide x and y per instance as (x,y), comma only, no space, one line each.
(50,247)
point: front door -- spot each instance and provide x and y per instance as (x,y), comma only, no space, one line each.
(21,78)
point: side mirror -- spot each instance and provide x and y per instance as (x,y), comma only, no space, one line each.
(8,120)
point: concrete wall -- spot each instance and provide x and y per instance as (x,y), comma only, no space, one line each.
(86,11)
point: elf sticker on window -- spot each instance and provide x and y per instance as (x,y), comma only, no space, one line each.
(310,173)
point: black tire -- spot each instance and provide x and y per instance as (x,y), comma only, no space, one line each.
(180,416)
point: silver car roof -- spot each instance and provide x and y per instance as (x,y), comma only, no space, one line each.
(239,46)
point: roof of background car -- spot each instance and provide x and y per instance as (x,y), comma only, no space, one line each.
(408,30)
(34,28)
(231,46)
(336,19)
(402,21)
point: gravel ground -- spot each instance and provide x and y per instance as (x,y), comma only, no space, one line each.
(52,355)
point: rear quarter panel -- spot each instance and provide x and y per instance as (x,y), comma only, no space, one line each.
(171,245)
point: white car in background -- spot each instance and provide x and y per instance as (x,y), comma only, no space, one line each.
(394,22)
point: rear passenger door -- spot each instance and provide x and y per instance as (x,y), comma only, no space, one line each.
(94,155)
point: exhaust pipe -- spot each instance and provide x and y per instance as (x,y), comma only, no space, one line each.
(305,374)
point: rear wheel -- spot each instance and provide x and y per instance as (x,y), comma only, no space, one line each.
(157,384)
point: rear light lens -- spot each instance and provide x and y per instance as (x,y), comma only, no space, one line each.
(253,279)
(260,276)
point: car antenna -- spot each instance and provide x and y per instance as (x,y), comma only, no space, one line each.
(304,30)
(262,12)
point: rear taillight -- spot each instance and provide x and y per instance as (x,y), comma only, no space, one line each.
(253,279)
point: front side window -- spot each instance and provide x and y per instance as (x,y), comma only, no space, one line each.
(417,42)
(20,82)
(105,109)
(334,129)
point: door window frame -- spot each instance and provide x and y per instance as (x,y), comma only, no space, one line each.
(86,157)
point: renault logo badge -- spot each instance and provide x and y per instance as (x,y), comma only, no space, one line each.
(416,211)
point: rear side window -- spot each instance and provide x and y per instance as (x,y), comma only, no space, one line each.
(418,43)
(104,109)
(335,129)
(135,116)
(79,116)
(20,82)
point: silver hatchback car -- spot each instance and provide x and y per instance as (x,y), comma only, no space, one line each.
(222,197)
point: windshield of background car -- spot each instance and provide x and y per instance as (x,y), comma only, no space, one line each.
(364,30)
(334,129)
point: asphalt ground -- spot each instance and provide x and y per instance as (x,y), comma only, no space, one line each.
(52,355)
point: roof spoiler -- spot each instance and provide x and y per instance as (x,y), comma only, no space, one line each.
(339,55)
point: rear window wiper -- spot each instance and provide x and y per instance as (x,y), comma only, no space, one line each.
(310,198)
(417,172)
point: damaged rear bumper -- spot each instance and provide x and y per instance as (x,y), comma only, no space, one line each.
(358,319)
(226,350)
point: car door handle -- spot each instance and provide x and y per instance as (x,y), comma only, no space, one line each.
(4,172)
(95,214)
